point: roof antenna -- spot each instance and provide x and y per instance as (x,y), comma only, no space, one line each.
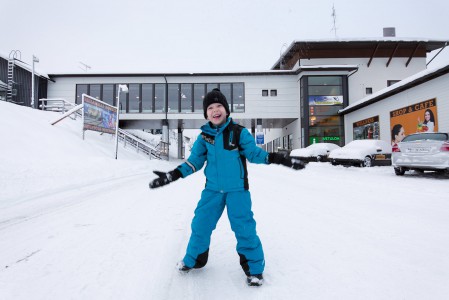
(84,67)
(334,17)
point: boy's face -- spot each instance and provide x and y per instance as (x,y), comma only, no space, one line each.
(216,114)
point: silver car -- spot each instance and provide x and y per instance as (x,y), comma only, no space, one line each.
(427,151)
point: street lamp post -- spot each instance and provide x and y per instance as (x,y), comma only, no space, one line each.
(121,88)
(35,60)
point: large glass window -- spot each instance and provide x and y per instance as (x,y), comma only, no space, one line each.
(134,98)
(95,91)
(238,97)
(123,99)
(323,99)
(108,93)
(186,98)
(147,98)
(226,89)
(159,97)
(173,97)
(211,86)
(199,91)
(80,90)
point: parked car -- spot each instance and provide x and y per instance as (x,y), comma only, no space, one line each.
(363,153)
(426,151)
(315,152)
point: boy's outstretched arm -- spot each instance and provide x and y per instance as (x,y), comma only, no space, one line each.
(285,160)
(165,178)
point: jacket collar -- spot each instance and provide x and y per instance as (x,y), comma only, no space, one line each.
(215,130)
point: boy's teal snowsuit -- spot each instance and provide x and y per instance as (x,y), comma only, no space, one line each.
(226,149)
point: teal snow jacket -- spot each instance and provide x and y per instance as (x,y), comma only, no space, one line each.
(226,149)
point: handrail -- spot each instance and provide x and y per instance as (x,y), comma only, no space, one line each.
(139,144)
(56,104)
(69,108)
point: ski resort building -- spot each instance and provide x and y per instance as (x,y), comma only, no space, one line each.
(317,91)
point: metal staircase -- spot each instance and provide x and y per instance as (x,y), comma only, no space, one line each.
(138,144)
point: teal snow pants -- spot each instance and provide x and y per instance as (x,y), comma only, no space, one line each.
(207,214)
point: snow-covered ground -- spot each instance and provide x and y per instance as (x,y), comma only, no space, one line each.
(77,224)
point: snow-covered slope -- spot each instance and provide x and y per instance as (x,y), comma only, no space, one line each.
(77,224)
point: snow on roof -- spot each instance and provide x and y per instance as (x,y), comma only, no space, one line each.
(27,67)
(404,84)
(372,39)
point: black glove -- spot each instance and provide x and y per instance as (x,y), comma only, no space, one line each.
(165,178)
(285,160)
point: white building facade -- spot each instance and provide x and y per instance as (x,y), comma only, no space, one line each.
(294,104)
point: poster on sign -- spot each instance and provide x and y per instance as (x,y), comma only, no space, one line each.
(98,115)
(418,117)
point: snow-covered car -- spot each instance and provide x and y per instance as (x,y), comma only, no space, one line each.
(427,151)
(363,153)
(315,152)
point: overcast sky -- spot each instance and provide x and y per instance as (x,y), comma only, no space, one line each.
(199,35)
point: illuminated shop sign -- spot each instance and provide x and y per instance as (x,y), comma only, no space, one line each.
(367,129)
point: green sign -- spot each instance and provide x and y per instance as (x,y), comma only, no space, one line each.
(317,139)
(330,138)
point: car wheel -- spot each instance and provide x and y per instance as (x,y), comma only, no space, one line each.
(399,171)
(319,158)
(366,162)
(333,162)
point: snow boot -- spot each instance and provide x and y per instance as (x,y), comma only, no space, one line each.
(254,280)
(182,268)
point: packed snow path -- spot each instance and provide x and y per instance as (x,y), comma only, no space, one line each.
(77,224)
(368,235)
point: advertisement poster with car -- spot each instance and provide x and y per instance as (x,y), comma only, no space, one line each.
(418,117)
(98,115)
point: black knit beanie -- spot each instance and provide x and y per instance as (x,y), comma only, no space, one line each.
(215,96)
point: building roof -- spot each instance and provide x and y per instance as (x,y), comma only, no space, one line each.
(351,48)
(27,67)
(252,73)
(405,84)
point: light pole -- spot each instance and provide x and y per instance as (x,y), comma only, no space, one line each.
(281,57)
(35,60)
(121,88)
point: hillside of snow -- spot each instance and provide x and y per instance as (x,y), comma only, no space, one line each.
(77,224)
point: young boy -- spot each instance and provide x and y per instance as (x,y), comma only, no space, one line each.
(225,146)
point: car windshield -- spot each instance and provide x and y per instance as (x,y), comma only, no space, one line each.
(426,136)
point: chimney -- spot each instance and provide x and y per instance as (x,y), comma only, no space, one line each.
(389,31)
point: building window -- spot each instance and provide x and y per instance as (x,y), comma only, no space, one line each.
(186,98)
(134,98)
(273,93)
(155,97)
(323,98)
(123,99)
(264,93)
(147,98)
(95,91)
(80,90)
(226,89)
(391,82)
(108,94)
(174,95)
(369,90)
(238,97)
(199,91)
(159,97)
